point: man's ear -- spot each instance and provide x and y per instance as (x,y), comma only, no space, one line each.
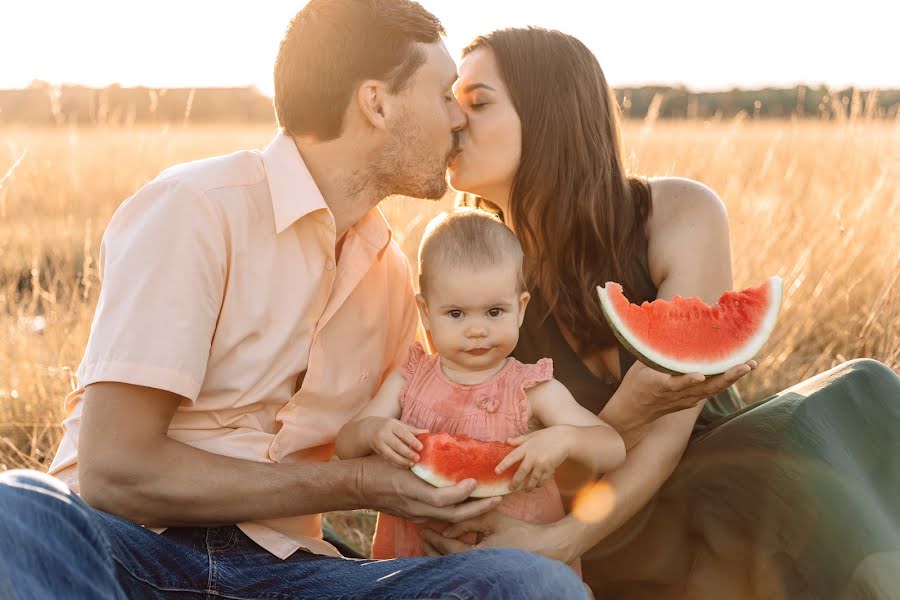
(524,297)
(370,97)
(423,311)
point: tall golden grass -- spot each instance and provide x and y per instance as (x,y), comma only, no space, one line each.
(815,202)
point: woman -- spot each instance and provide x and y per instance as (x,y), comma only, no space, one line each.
(795,497)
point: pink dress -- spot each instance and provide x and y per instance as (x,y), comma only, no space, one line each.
(494,410)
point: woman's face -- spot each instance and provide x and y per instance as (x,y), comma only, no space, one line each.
(492,143)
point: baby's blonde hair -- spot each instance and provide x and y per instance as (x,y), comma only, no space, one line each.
(468,237)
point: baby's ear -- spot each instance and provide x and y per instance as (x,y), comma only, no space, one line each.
(423,311)
(524,297)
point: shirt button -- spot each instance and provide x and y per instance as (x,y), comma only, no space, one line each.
(329,265)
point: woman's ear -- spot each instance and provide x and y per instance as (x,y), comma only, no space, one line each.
(423,311)
(370,97)
(524,297)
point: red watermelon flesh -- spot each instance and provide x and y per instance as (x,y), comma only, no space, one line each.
(447,459)
(684,335)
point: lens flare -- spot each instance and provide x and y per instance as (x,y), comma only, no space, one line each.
(593,502)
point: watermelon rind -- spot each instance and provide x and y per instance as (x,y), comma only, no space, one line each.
(496,488)
(669,364)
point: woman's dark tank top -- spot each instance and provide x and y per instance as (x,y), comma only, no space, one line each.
(542,338)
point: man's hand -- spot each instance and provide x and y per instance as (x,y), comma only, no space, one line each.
(394,440)
(401,493)
(540,453)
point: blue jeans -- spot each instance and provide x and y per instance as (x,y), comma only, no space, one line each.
(53,545)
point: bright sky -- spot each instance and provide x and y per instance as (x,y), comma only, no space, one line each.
(704,44)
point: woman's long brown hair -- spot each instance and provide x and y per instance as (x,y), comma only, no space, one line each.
(579,217)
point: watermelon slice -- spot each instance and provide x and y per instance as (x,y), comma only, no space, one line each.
(684,335)
(447,459)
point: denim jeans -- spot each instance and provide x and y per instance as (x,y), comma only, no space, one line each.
(53,545)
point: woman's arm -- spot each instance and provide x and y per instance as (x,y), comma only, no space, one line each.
(689,254)
(647,467)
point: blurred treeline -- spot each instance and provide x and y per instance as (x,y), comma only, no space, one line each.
(43,104)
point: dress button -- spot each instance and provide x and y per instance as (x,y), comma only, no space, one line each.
(329,265)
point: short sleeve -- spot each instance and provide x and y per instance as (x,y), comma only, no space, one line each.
(413,359)
(163,265)
(539,372)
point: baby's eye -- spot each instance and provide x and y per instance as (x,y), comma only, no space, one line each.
(495,312)
(455,314)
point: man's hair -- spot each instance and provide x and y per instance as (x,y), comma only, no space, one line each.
(331,46)
(467,237)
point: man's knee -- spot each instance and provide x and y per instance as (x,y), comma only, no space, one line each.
(507,573)
(31,494)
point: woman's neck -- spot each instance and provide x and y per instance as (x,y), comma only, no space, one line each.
(499,197)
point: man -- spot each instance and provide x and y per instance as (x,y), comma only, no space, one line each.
(250,305)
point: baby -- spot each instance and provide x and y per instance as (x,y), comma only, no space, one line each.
(472,301)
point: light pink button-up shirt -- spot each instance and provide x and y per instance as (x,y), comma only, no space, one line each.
(220,285)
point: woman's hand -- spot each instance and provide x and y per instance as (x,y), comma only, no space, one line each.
(498,530)
(540,452)
(654,394)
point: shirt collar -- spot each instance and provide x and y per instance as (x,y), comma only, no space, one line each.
(295,193)
(374,229)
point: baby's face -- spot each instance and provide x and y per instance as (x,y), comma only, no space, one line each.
(474,315)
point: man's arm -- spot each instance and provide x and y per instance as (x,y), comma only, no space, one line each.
(128,466)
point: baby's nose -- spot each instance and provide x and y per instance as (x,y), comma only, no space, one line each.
(477,331)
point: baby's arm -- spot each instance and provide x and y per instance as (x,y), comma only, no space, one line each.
(570,431)
(377,428)
(596,444)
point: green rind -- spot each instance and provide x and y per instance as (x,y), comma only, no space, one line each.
(634,351)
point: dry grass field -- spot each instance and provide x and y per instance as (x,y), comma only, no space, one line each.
(814,202)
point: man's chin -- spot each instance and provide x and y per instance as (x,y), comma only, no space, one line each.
(435,191)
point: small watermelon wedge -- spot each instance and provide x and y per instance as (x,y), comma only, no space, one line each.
(684,335)
(447,459)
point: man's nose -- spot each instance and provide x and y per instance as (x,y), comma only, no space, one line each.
(458,119)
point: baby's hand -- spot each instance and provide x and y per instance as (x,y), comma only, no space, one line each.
(395,441)
(540,452)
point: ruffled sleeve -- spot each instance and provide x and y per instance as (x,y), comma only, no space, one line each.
(539,372)
(413,358)
(530,376)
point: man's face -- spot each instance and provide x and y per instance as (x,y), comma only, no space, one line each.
(422,135)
